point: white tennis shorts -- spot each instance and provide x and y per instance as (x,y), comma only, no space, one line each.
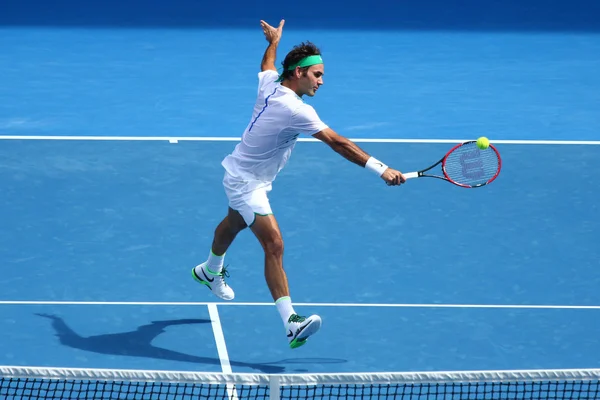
(249,198)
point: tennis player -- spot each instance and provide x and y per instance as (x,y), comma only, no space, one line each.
(280,115)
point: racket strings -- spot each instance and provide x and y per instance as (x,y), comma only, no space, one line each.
(471,166)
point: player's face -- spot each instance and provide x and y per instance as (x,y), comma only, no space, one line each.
(312,79)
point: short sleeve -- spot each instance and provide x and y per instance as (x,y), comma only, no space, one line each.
(306,121)
(266,77)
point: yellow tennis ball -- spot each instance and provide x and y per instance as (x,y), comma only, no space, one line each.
(483,143)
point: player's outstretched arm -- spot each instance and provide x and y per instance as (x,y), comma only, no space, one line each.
(273,36)
(350,151)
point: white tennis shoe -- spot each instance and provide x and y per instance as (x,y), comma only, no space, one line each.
(214,281)
(299,329)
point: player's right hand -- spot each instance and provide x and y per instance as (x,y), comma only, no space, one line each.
(393,177)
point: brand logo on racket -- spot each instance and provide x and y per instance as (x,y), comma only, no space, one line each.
(472,165)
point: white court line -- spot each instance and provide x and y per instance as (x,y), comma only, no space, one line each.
(221,347)
(236,139)
(209,304)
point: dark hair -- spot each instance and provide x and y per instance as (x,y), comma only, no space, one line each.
(297,53)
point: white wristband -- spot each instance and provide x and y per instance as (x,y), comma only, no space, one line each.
(376,166)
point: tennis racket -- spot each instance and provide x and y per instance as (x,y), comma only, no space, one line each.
(465,165)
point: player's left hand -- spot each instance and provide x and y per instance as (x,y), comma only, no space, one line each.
(273,35)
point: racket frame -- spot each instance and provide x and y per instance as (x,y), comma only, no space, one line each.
(422,173)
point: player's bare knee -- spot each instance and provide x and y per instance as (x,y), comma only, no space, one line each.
(274,246)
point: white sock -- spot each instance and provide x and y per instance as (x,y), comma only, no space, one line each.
(215,263)
(284,306)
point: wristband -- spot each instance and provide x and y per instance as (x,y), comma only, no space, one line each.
(376,166)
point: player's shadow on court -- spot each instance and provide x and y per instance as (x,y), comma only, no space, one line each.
(138,343)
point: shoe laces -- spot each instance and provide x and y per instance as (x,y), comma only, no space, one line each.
(224,272)
(296,318)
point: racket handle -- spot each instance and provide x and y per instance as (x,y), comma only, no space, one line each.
(409,175)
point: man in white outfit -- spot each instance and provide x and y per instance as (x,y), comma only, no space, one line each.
(279,117)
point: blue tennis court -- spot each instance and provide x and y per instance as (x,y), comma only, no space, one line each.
(111,189)
(124,221)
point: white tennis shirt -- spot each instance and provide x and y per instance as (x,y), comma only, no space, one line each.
(278,118)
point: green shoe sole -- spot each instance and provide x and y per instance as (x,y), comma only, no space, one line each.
(294,344)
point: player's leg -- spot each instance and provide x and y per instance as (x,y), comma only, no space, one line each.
(267,231)
(298,328)
(211,272)
(226,232)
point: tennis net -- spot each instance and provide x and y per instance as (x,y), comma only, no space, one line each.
(20,383)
